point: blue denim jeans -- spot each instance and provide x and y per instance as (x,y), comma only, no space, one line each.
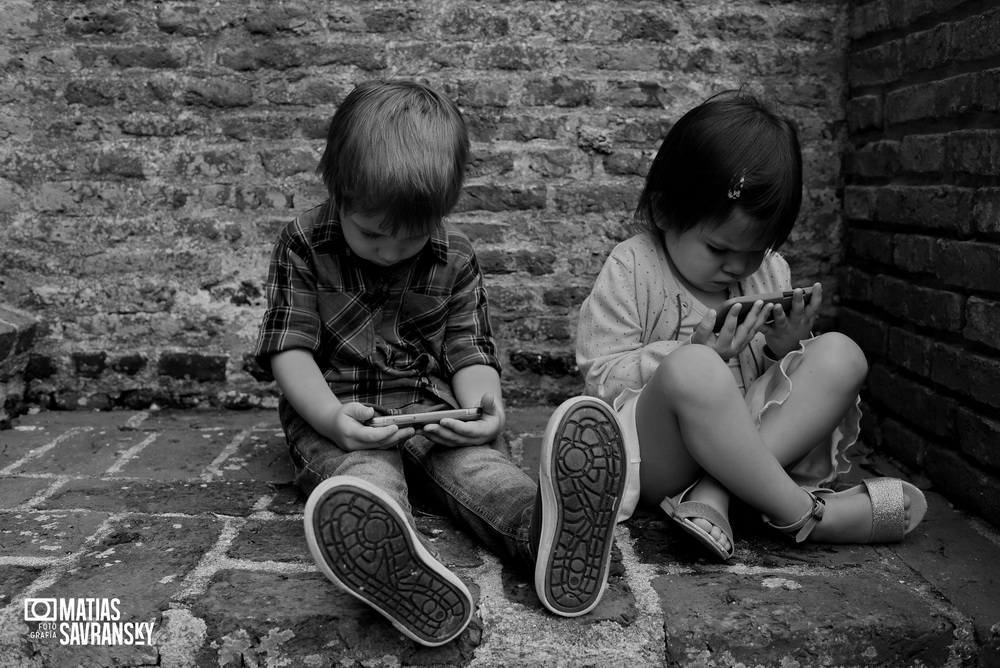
(479,486)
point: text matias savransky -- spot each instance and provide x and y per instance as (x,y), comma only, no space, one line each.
(85,621)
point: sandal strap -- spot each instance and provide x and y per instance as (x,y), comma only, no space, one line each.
(804,525)
(695,510)
(888,516)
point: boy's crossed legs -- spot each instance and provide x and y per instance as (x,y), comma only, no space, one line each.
(363,540)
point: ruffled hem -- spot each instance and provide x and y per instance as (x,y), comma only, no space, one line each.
(828,459)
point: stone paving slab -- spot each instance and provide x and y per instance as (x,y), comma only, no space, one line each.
(188,525)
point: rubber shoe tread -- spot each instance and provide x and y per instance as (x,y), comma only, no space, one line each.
(361,541)
(581,480)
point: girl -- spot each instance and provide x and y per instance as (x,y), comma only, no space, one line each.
(759,410)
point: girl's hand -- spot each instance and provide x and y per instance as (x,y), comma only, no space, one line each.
(788,329)
(732,338)
(347,429)
(459,433)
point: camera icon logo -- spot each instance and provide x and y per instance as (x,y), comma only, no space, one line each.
(40,610)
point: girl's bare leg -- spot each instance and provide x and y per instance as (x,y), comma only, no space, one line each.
(826,382)
(691,419)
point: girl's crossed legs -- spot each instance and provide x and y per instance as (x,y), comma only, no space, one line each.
(693,421)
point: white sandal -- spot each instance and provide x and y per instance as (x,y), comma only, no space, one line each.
(682,512)
(888,514)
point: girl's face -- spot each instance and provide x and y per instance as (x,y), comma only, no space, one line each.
(710,259)
(367,239)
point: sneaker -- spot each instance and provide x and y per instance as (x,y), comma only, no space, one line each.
(361,541)
(581,483)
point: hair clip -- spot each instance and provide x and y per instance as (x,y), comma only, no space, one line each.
(737,190)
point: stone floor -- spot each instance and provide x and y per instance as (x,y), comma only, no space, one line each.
(185,533)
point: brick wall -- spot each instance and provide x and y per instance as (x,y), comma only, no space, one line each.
(151,150)
(17,336)
(921,282)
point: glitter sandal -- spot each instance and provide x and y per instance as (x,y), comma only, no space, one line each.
(682,512)
(888,514)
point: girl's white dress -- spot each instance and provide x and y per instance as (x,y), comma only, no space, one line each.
(631,321)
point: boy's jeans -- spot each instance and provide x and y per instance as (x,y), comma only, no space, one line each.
(479,485)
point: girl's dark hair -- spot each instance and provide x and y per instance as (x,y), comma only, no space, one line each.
(732,151)
(398,148)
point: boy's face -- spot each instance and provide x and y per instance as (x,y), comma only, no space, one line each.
(367,239)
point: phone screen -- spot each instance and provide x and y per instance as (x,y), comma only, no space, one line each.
(747,301)
(420,419)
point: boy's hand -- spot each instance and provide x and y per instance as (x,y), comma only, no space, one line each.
(348,431)
(788,329)
(731,339)
(458,433)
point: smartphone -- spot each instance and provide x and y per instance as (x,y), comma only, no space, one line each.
(747,301)
(420,419)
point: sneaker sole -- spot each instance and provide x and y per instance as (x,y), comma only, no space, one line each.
(362,543)
(582,479)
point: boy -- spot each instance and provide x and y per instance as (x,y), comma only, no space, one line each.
(376,307)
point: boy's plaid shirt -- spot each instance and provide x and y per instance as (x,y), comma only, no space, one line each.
(388,337)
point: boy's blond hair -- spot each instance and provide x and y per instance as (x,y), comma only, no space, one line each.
(397,148)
